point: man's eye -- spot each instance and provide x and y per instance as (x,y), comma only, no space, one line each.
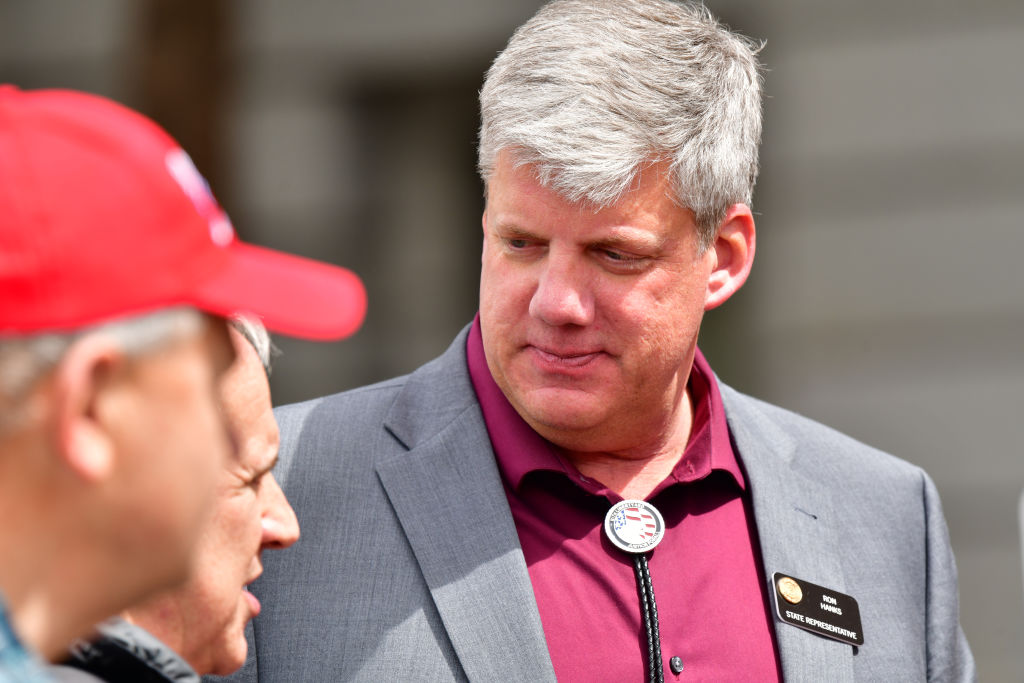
(620,257)
(518,243)
(623,261)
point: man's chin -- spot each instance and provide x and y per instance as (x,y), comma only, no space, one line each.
(231,658)
(564,425)
(228,651)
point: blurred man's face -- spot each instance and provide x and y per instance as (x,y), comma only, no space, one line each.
(205,620)
(172,441)
(590,318)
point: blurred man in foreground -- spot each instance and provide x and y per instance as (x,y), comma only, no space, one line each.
(116,265)
(569,491)
(200,628)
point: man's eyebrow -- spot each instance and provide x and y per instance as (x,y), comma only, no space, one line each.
(266,469)
(632,240)
(513,230)
(622,238)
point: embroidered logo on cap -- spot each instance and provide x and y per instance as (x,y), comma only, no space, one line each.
(192,183)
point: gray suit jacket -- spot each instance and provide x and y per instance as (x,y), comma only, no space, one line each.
(409,566)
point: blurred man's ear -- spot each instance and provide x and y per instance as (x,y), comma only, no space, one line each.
(734,255)
(82,381)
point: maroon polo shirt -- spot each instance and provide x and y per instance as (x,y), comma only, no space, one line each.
(711,595)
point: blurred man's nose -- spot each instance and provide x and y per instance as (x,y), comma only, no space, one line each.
(280,525)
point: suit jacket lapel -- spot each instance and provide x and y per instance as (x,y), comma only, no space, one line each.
(795,523)
(449,499)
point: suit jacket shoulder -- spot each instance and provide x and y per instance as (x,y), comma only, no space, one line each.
(841,514)
(810,445)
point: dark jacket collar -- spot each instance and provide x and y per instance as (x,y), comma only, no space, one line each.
(125,652)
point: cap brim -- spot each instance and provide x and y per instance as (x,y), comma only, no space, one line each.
(292,295)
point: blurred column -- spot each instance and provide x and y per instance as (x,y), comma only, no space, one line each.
(181,78)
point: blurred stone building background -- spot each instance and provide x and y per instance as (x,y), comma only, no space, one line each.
(888,295)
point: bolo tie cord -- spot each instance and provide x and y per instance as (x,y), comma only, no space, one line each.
(636,527)
(655,668)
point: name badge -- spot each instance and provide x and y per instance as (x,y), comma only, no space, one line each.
(818,609)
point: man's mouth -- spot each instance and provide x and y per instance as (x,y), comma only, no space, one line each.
(564,358)
(254,603)
(252,600)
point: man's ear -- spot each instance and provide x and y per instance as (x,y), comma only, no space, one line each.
(734,255)
(81,381)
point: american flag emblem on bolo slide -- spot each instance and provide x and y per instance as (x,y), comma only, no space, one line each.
(635,526)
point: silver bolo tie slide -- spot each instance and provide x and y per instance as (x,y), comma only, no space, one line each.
(636,527)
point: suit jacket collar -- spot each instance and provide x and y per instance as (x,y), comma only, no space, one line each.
(448,495)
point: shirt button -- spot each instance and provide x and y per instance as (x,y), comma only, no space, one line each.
(676,664)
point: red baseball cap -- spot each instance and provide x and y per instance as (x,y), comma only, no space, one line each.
(103,215)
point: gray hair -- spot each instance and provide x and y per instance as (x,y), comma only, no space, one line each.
(590,92)
(26,359)
(257,336)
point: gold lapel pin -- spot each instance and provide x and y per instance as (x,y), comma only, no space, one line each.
(790,590)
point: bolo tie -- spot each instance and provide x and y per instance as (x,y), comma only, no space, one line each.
(636,527)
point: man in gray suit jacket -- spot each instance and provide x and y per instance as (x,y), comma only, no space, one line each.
(569,491)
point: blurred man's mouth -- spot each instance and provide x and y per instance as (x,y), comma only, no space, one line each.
(252,601)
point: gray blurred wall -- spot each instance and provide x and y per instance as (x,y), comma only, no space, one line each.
(887,295)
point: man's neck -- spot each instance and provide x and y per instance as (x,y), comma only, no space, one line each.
(52,582)
(631,479)
(636,473)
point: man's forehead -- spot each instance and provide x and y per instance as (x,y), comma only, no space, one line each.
(223,351)
(526,180)
(519,204)
(247,368)
(576,185)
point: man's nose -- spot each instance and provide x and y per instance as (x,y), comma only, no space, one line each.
(563,295)
(280,525)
